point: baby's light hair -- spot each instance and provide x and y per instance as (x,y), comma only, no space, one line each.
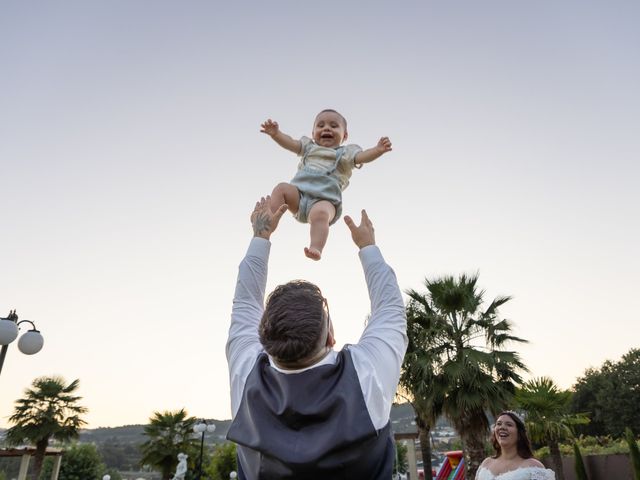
(344,120)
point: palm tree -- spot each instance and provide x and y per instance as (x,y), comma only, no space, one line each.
(417,377)
(547,417)
(464,370)
(169,433)
(49,410)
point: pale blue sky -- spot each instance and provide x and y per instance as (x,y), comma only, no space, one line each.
(130,158)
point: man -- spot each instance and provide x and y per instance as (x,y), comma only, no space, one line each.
(300,409)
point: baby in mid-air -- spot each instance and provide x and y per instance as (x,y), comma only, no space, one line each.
(314,195)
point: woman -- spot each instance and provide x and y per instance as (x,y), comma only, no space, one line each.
(513,459)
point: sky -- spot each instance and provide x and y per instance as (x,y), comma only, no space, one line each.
(131,158)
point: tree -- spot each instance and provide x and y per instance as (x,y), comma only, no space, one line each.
(611,396)
(417,378)
(548,421)
(169,433)
(81,461)
(460,365)
(223,462)
(400,462)
(587,397)
(48,411)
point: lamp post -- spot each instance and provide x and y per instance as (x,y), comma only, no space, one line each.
(29,343)
(202,427)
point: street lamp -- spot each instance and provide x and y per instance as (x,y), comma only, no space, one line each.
(29,343)
(202,427)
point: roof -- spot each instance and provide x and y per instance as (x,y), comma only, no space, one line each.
(20,451)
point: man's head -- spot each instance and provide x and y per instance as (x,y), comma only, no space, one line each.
(295,326)
(329,129)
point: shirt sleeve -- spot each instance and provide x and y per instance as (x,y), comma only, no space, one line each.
(349,155)
(304,144)
(379,354)
(243,344)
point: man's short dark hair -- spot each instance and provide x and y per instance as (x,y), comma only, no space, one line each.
(292,321)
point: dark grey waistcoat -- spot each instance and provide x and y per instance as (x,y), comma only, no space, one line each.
(308,425)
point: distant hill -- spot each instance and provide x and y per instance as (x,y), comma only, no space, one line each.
(402,420)
(401,417)
(134,434)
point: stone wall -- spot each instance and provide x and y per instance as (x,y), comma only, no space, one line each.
(599,467)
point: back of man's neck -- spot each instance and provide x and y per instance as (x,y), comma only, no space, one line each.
(303,363)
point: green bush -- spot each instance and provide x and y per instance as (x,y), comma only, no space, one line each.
(223,462)
(80,461)
(603,445)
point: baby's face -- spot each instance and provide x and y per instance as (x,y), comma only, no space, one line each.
(329,130)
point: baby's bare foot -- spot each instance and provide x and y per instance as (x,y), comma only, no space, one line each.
(312,253)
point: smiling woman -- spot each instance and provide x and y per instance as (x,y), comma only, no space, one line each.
(514,458)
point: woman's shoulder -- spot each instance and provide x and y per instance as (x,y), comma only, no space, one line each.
(484,470)
(537,470)
(487,462)
(526,469)
(532,462)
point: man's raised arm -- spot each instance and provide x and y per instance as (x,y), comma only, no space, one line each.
(243,343)
(384,341)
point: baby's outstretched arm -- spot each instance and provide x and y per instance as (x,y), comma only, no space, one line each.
(370,154)
(272,129)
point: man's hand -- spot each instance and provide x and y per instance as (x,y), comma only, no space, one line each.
(363,234)
(264,221)
(384,145)
(270,127)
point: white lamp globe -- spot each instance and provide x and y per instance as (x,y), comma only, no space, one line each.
(211,428)
(233,475)
(31,342)
(8,331)
(199,427)
(106,477)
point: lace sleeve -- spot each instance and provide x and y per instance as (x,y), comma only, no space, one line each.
(542,474)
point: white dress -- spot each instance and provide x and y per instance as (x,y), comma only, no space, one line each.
(523,473)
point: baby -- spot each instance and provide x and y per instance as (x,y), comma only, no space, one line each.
(314,195)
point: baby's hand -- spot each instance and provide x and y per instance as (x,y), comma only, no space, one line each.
(384,145)
(270,127)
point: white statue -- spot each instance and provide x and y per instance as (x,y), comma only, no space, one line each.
(181,469)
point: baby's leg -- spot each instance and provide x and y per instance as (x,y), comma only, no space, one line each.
(320,216)
(285,193)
